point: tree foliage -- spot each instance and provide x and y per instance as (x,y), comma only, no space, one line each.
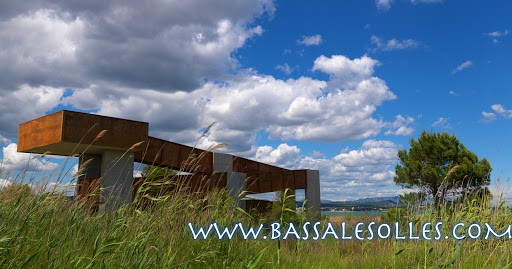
(440,165)
(413,198)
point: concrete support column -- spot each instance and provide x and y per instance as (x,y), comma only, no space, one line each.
(222,162)
(235,181)
(313,192)
(235,186)
(89,166)
(117,177)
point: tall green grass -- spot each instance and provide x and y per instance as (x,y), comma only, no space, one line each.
(46,230)
(49,231)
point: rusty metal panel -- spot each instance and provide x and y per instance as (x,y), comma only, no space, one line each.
(194,160)
(250,166)
(40,132)
(251,184)
(170,155)
(68,133)
(63,130)
(185,155)
(239,164)
(219,179)
(289,180)
(277,181)
(82,128)
(300,179)
(88,193)
(269,178)
(176,156)
(151,153)
(201,160)
(279,177)
(264,168)
(264,184)
(244,165)
(206,163)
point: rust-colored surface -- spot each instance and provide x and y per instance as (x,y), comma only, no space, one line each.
(176,156)
(68,133)
(300,177)
(275,181)
(40,132)
(82,128)
(263,177)
(88,194)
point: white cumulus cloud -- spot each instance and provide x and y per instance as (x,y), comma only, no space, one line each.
(23,104)
(313,40)
(501,110)
(393,44)
(400,126)
(104,50)
(498,111)
(339,109)
(347,175)
(383,4)
(488,116)
(386,4)
(453,93)
(497,35)
(13,160)
(465,65)
(443,123)
(285,68)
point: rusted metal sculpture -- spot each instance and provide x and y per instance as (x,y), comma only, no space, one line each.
(108,147)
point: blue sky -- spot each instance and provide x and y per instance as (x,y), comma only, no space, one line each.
(337,86)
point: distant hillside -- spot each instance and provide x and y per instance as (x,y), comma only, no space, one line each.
(391,200)
(364,204)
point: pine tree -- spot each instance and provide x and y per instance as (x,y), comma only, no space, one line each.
(440,165)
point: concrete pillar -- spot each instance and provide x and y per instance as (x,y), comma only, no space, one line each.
(117,177)
(89,166)
(222,162)
(235,186)
(313,192)
(235,181)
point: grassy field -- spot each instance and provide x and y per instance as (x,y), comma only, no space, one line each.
(48,231)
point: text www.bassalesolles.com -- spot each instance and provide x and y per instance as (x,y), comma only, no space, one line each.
(360,231)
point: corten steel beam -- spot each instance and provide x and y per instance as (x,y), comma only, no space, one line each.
(260,177)
(160,152)
(67,133)
(108,142)
(71,133)
(263,177)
